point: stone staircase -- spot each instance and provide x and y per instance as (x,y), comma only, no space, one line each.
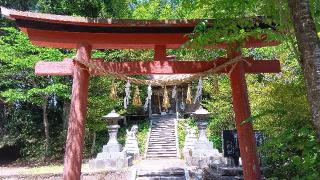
(162,139)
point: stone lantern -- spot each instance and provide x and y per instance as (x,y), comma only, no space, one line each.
(203,152)
(112,120)
(201,116)
(112,155)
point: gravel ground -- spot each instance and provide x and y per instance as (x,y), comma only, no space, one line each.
(55,173)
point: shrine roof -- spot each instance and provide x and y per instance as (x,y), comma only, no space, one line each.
(62,31)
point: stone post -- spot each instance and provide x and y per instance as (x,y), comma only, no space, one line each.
(112,156)
(203,153)
(113,144)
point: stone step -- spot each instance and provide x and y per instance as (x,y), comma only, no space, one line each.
(162,147)
(168,143)
(173,142)
(161,156)
(152,136)
(172,172)
(163,139)
(160,177)
(161,150)
(164,129)
(161,131)
(158,134)
(163,144)
(163,122)
(162,125)
(162,136)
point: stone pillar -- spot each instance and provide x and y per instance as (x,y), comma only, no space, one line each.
(113,144)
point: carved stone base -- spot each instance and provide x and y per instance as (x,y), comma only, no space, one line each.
(131,146)
(107,160)
(204,154)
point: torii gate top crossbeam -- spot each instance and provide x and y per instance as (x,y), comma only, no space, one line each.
(59,31)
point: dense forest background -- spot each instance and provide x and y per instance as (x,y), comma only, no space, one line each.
(34,110)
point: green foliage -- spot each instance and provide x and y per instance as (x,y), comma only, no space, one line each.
(217,100)
(181,133)
(291,149)
(87,8)
(280,109)
(142,135)
(278,102)
(23,93)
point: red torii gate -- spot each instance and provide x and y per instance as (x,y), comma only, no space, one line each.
(85,34)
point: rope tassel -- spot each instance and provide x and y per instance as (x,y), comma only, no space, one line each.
(113,91)
(166,102)
(136,97)
(127,91)
(174,92)
(148,99)
(189,97)
(199,91)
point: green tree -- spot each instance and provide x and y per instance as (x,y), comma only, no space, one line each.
(19,83)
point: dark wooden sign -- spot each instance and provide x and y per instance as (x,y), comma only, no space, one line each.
(230,142)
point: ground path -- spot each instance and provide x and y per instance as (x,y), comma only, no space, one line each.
(165,169)
(162,160)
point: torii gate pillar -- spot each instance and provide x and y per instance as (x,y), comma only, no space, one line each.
(77,118)
(241,107)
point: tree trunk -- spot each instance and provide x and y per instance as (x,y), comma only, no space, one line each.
(93,146)
(46,124)
(65,116)
(309,48)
